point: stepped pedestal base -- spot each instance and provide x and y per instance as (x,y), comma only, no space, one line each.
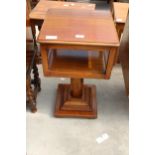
(76,100)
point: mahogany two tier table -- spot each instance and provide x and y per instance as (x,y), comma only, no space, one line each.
(77,44)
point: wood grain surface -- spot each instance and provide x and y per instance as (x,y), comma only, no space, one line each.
(75,27)
(120,11)
(39,12)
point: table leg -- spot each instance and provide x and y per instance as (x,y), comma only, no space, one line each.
(30,95)
(37,81)
(119,28)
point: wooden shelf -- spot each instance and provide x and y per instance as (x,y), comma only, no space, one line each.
(90,64)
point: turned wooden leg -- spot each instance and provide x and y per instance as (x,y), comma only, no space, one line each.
(37,81)
(31,96)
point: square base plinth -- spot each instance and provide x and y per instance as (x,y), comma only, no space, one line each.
(82,107)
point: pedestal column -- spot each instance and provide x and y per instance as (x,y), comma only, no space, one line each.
(76,88)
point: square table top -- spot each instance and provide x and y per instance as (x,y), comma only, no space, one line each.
(120,11)
(73,27)
(39,12)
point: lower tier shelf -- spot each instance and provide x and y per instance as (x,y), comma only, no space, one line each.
(81,64)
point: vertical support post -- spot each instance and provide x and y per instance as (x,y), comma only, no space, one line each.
(44,58)
(76,87)
(119,28)
(110,63)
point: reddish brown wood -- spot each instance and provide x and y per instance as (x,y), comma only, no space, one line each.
(39,12)
(97,27)
(111,58)
(76,87)
(120,28)
(120,12)
(67,106)
(91,64)
(95,61)
(124,55)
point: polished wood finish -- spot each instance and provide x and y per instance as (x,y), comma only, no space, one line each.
(97,37)
(120,12)
(96,27)
(76,87)
(124,55)
(76,100)
(68,106)
(90,55)
(39,12)
(92,64)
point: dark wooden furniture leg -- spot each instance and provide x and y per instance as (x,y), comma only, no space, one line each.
(37,81)
(30,95)
(31,60)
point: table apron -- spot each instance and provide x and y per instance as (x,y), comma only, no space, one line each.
(77,47)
